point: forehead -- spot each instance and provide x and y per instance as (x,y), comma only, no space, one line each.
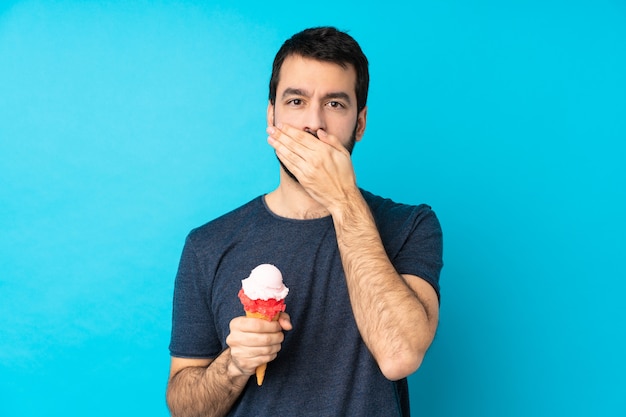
(311,74)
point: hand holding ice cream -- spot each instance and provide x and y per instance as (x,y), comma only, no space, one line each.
(263,296)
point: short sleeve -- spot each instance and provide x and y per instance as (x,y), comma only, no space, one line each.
(422,252)
(193,331)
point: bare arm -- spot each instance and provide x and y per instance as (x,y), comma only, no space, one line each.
(397,315)
(203,387)
(206,387)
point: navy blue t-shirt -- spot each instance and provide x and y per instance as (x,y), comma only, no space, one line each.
(324,367)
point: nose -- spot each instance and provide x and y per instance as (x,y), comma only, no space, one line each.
(313,119)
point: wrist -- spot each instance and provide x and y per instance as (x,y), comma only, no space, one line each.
(232,371)
(343,203)
(350,209)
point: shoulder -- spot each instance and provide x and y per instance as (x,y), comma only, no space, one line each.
(388,211)
(399,224)
(206,245)
(228,222)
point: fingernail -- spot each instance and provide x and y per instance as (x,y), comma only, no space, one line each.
(270,130)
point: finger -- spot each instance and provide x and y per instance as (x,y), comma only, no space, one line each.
(329,139)
(253,342)
(251,332)
(295,147)
(254,325)
(288,157)
(251,352)
(293,138)
(292,132)
(248,359)
(285,321)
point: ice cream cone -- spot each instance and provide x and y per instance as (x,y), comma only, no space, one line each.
(260,370)
(263,297)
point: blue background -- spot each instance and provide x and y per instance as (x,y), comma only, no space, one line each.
(125,124)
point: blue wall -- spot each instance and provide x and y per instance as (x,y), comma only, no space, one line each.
(122,126)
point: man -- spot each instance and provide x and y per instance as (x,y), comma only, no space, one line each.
(362,271)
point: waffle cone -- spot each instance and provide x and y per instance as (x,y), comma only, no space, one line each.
(260,370)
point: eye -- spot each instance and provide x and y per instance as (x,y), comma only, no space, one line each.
(294,102)
(336,104)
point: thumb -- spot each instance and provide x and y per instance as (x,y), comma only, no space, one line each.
(285,321)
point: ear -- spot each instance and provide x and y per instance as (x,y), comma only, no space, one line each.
(270,113)
(361,121)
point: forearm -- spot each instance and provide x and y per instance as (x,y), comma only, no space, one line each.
(393,321)
(205,391)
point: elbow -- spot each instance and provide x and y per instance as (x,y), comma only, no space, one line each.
(400,366)
(169,400)
(172,397)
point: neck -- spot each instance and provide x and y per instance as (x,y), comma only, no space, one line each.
(290,200)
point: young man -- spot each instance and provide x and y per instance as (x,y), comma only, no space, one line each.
(362,271)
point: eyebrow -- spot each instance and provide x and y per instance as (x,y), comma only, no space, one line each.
(332,95)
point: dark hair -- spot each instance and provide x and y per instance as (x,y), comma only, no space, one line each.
(325,44)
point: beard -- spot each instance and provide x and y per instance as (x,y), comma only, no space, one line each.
(349,147)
